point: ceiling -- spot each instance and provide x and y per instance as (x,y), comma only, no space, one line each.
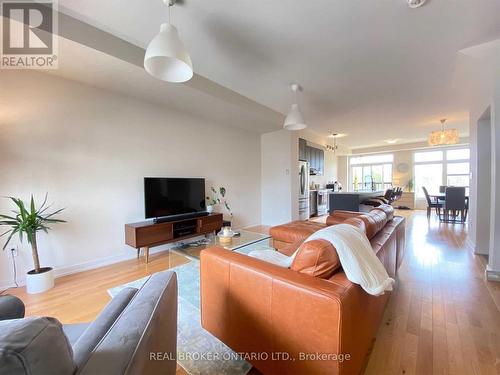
(374,70)
(109,72)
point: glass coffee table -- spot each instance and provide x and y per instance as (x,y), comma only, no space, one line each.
(244,243)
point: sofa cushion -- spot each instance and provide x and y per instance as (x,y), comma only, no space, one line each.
(374,222)
(74,331)
(357,222)
(380,219)
(98,328)
(34,346)
(339,216)
(295,231)
(316,258)
(370,225)
(387,209)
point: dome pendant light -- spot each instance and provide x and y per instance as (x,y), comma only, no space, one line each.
(166,57)
(294,120)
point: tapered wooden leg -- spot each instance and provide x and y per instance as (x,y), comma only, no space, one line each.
(146,252)
(138,252)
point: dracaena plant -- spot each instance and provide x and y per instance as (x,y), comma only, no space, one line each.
(26,222)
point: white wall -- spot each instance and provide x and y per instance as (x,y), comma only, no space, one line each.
(278,180)
(280,173)
(482,70)
(480,85)
(343,172)
(494,252)
(90,149)
(483,189)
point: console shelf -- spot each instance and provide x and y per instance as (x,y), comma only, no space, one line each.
(147,234)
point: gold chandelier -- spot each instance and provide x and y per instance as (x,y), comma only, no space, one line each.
(443,136)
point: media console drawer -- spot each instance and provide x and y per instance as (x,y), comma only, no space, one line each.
(209,223)
(210,219)
(147,234)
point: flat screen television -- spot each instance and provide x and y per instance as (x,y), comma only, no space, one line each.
(173,196)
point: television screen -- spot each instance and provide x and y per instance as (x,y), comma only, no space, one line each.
(173,196)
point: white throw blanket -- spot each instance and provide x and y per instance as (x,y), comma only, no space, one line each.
(356,255)
(273,256)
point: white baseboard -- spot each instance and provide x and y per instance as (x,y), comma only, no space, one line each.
(471,244)
(75,268)
(6,284)
(492,275)
(92,264)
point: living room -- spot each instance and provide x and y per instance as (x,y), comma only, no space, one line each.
(285,140)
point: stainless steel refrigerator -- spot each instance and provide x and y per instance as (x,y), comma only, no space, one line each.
(303,190)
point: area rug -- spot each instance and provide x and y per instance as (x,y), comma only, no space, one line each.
(192,340)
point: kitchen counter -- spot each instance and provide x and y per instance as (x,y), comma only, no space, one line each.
(351,200)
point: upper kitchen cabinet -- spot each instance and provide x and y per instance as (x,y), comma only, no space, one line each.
(302,149)
(321,168)
(316,159)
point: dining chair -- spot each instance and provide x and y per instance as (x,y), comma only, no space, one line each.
(442,189)
(432,203)
(455,204)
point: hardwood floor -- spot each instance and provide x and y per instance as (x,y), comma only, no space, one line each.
(443,317)
(79,298)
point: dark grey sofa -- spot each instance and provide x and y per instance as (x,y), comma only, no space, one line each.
(11,308)
(136,333)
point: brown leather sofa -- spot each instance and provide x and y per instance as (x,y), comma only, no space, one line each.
(309,319)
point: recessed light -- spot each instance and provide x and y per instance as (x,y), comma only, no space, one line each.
(336,135)
(391,141)
(415,3)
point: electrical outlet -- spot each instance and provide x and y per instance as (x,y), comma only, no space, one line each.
(14,252)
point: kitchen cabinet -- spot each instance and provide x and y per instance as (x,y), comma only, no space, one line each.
(302,149)
(321,168)
(316,159)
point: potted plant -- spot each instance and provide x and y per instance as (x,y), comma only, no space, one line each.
(27,222)
(213,200)
(409,185)
(218,196)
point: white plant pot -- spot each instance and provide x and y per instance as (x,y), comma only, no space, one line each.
(40,282)
(210,209)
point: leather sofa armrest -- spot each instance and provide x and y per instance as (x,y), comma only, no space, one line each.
(257,307)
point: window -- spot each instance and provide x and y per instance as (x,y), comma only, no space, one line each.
(429,176)
(460,154)
(427,156)
(372,159)
(371,172)
(458,168)
(442,167)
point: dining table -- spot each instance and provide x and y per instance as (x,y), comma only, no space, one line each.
(442,197)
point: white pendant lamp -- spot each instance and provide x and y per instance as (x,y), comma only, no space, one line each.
(166,57)
(294,120)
